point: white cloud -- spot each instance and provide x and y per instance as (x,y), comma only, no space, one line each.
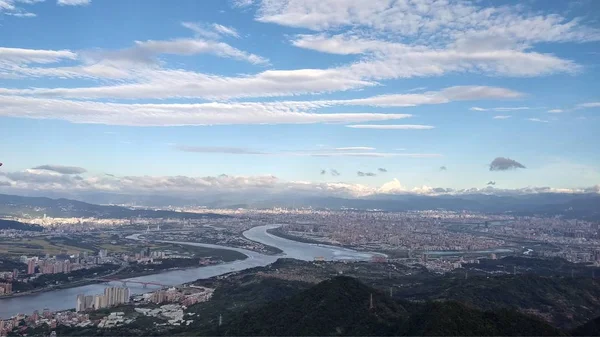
(165,84)
(224,30)
(537,120)
(385,60)
(202,30)
(40,180)
(26,56)
(442,20)
(391,127)
(355,148)
(357,151)
(242,3)
(447,36)
(457,93)
(556,111)
(211,31)
(502,108)
(588,105)
(367,154)
(73,2)
(187,47)
(502,117)
(22,14)
(174,114)
(156,83)
(14,8)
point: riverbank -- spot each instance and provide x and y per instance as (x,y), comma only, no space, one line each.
(281,234)
(393,254)
(81,283)
(121,274)
(64,299)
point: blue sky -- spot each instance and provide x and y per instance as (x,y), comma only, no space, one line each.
(432,92)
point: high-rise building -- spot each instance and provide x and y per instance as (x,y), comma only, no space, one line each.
(89,301)
(596,255)
(99,302)
(5,288)
(159,296)
(31,267)
(109,295)
(80,304)
(112,296)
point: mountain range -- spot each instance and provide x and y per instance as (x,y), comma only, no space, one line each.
(571,205)
(19,206)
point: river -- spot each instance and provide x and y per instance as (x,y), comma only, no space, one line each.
(65,298)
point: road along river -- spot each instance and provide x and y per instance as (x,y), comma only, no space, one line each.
(64,299)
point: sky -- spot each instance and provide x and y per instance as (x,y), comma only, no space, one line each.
(350,98)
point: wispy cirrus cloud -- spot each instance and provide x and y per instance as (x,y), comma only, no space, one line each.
(355,148)
(15,8)
(73,2)
(229,150)
(537,120)
(588,105)
(28,56)
(34,103)
(174,114)
(391,127)
(217,149)
(147,51)
(213,31)
(501,117)
(502,108)
(458,20)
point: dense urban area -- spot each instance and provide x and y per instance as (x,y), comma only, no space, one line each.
(40,253)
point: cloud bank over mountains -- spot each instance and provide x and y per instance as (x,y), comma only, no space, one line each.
(42,179)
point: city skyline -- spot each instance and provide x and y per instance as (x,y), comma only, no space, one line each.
(330,98)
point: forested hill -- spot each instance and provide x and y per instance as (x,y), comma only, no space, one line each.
(342,306)
(10,224)
(591,328)
(12,205)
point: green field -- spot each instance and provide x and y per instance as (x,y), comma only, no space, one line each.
(37,246)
